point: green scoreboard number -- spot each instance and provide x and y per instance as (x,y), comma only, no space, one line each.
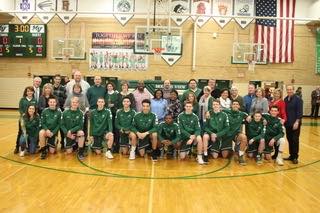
(23,40)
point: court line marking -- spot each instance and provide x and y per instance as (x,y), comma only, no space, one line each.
(150,202)
(310,147)
(303,189)
(7,136)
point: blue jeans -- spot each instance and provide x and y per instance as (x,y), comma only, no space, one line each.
(30,141)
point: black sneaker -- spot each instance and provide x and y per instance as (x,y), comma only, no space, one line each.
(259,159)
(80,155)
(274,157)
(154,156)
(288,158)
(295,161)
(16,150)
(43,154)
(205,159)
(242,161)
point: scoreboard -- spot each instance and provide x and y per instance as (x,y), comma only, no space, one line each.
(23,40)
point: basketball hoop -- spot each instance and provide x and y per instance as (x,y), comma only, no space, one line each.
(157,52)
(251,65)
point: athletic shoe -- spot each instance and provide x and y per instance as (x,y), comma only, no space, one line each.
(43,154)
(80,155)
(154,156)
(21,154)
(259,159)
(274,157)
(295,161)
(200,160)
(288,158)
(279,161)
(205,159)
(132,155)
(16,151)
(109,154)
(242,161)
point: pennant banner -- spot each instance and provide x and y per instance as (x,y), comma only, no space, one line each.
(46,6)
(171,59)
(123,6)
(222,8)
(244,8)
(25,6)
(318,52)
(67,6)
(179,7)
(201,7)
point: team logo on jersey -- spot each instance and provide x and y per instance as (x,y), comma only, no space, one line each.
(25,5)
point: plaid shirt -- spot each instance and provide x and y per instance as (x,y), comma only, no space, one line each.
(60,92)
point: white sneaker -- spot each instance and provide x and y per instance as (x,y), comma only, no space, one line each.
(132,155)
(279,161)
(21,153)
(200,160)
(109,154)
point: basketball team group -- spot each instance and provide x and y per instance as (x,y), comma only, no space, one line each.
(202,124)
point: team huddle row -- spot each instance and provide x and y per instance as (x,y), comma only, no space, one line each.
(140,130)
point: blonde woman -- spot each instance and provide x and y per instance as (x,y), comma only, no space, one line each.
(205,104)
(47,91)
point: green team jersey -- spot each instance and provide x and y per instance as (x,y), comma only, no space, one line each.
(124,119)
(218,123)
(72,120)
(169,132)
(114,98)
(31,125)
(145,122)
(274,128)
(255,130)
(100,122)
(189,125)
(236,119)
(93,93)
(24,103)
(51,120)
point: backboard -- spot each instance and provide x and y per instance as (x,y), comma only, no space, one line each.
(74,48)
(245,52)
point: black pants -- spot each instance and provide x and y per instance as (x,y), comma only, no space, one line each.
(18,135)
(315,110)
(293,139)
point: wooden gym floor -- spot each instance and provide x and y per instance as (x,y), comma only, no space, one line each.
(63,183)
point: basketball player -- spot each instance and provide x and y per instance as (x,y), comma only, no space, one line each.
(190,132)
(101,128)
(50,125)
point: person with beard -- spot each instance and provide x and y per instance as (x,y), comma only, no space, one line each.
(140,94)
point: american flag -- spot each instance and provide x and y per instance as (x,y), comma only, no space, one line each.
(276,35)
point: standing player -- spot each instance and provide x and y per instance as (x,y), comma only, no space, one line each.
(72,125)
(236,120)
(50,125)
(169,134)
(101,128)
(255,131)
(274,135)
(215,131)
(190,132)
(144,127)
(123,122)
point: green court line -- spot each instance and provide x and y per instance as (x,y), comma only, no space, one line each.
(144,177)
(191,178)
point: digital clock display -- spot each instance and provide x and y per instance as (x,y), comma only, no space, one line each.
(23,40)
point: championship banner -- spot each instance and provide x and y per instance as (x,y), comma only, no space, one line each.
(117,59)
(244,8)
(67,6)
(25,6)
(179,7)
(318,52)
(222,8)
(121,6)
(201,7)
(46,6)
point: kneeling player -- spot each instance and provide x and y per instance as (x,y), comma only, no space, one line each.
(216,128)
(72,125)
(144,127)
(123,122)
(255,131)
(190,132)
(169,134)
(50,125)
(236,120)
(274,134)
(101,128)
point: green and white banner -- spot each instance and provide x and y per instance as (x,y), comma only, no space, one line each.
(318,52)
